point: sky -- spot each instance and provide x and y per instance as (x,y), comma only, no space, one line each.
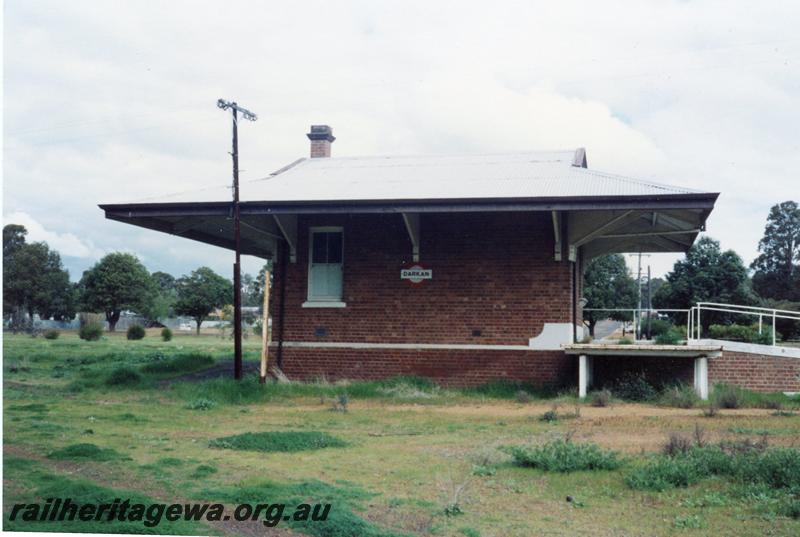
(114,101)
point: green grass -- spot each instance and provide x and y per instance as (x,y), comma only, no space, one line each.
(283,441)
(564,456)
(410,443)
(85,451)
(345,499)
(44,484)
(182,363)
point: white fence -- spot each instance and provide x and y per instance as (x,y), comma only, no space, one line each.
(695,328)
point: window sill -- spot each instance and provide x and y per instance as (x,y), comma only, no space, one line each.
(324,304)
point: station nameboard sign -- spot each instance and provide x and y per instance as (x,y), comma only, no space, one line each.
(416,274)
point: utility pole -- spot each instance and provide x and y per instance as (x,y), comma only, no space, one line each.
(237,271)
(649,302)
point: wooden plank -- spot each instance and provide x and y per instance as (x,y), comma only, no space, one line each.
(265,331)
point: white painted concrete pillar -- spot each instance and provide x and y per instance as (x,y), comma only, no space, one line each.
(701,377)
(584,374)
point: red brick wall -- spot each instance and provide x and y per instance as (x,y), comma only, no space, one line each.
(492,272)
(449,367)
(756,372)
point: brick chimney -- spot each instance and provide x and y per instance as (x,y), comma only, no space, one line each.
(321,137)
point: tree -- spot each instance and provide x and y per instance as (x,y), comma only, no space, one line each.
(607,284)
(707,274)
(116,283)
(13,238)
(163,303)
(776,274)
(201,292)
(164,281)
(255,291)
(34,280)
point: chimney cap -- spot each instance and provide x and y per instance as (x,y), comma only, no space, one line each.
(321,132)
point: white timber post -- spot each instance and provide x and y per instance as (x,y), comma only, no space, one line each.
(265,331)
(701,377)
(584,374)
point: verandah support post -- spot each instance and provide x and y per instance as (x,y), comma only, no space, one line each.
(584,374)
(701,377)
(265,331)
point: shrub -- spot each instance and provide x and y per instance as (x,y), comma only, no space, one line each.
(600,398)
(90,332)
(658,326)
(625,341)
(51,334)
(677,444)
(135,331)
(549,416)
(670,337)
(166,334)
(634,387)
(123,376)
(564,456)
(285,441)
(728,396)
(740,332)
(679,396)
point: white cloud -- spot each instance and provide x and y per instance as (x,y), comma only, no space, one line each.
(115,101)
(66,243)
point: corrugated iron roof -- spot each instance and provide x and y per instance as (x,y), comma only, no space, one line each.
(455,177)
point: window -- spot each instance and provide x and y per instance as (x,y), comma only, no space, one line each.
(325,267)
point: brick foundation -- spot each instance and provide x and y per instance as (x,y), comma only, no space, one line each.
(757,372)
(445,366)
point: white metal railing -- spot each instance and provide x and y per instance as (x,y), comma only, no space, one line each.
(694,327)
(638,321)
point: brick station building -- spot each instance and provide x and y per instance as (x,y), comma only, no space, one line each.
(462,268)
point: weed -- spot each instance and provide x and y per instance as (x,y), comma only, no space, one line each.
(679,396)
(783,414)
(711,411)
(728,396)
(671,337)
(549,416)
(634,387)
(32,407)
(123,376)
(564,456)
(676,444)
(340,403)
(469,532)
(522,397)
(51,334)
(204,470)
(286,441)
(201,404)
(600,398)
(483,471)
(84,451)
(688,522)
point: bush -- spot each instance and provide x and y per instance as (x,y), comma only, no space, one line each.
(728,396)
(740,332)
(600,398)
(657,326)
(285,441)
(679,396)
(670,337)
(625,341)
(564,456)
(123,376)
(166,334)
(51,334)
(634,387)
(90,332)
(135,331)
